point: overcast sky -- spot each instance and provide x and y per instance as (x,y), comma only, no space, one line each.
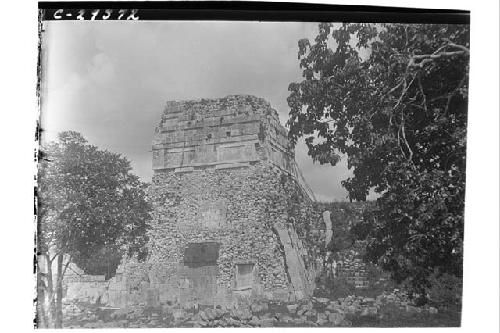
(109,80)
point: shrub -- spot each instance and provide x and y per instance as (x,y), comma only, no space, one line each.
(445,290)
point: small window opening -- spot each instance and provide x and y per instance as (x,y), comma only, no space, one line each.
(228,134)
(209,136)
(244,276)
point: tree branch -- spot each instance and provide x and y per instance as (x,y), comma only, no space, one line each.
(405,89)
(461,47)
(66,266)
(424,102)
(450,96)
(437,55)
(395,87)
(55,255)
(426,58)
(399,143)
(404,136)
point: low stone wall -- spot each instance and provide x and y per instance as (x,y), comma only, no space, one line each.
(349,261)
(83,287)
(352,268)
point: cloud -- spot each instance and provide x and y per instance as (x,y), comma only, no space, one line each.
(101,70)
(110,80)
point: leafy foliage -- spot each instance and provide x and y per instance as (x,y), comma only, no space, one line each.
(446,291)
(89,201)
(393,98)
(104,262)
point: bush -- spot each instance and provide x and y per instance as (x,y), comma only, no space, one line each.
(445,290)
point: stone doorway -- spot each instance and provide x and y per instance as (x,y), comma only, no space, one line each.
(198,273)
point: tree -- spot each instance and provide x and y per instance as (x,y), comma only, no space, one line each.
(88,203)
(393,98)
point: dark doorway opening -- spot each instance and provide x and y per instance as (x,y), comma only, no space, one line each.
(201,254)
(199,273)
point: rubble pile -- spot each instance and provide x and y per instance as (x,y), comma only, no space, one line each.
(311,312)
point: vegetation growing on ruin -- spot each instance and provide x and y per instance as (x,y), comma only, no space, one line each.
(393,99)
(88,203)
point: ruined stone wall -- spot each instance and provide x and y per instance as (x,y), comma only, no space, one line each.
(232,216)
(248,211)
(225,173)
(218,132)
(350,261)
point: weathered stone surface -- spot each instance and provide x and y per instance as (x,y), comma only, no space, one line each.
(309,314)
(411,309)
(328,227)
(433,310)
(267,321)
(179,314)
(322,300)
(232,216)
(259,307)
(323,317)
(241,314)
(255,321)
(336,319)
(292,308)
(225,175)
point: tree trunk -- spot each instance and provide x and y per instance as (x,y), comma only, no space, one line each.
(41,312)
(51,309)
(59,292)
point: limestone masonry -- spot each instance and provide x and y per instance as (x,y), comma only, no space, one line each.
(232,215)
(231,132)
(231,210)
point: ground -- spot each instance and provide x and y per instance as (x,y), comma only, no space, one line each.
(360,309)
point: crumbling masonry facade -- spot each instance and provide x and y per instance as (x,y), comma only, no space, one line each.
(232,215)
(230,207)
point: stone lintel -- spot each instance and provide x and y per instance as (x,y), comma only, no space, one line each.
(193,143)
(183,169)
(243,163)
(232,165)
(186,124)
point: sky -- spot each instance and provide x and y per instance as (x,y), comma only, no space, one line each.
(109,80)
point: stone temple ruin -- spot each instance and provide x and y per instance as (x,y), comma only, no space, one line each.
(232,215)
